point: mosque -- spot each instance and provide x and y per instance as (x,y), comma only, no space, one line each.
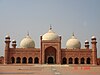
(50,51)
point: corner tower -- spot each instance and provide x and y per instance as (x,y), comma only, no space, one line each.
(50,48)
(7,49)
(94,50)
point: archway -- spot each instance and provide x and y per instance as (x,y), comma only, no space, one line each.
(36,60)
(24,60)
(50,55)
(30,60)
(88,61)
(50,60)
(76,60)
(82,60)
(70,61)
(18,60)
(12,60)
(64,61)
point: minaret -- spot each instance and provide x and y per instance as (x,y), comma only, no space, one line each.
(87,44)
(7,46)
(41,49)
(94,50)
(14,43)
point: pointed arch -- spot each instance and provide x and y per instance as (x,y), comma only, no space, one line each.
(18,60)
(88,60)
(50,52)
(36,60)
(70,60)
(50,60)
(76,60)
(64,60)
(24,60)
(12,60)
(30,60)
(82,60)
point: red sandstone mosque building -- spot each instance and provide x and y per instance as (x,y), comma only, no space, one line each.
(50,51)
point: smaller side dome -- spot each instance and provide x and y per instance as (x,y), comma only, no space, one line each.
(73,43)
(27,42)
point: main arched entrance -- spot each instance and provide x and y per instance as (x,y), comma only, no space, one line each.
(50,55)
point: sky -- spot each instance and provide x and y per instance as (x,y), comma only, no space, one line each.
(17,17)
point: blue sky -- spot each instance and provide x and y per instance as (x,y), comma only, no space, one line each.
(66,16)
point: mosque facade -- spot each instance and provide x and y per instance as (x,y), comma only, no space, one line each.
(50,51)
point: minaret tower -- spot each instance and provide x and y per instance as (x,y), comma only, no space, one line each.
(14,43)
(87,44)
(94,50)
(7,46)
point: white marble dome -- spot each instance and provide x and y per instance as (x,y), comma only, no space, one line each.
(50,35)
(73,43)
(27,42)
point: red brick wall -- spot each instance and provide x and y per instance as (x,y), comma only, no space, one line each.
(98,61)
(1,60)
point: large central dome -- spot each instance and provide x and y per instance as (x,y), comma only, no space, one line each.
(50,35)
(73,43)
(27,42)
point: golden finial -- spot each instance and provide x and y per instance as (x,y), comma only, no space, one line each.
(50,27)
(27,33)
(73,34)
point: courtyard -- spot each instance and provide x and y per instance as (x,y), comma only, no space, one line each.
(49,70)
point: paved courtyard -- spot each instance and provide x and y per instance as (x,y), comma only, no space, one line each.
(49,70)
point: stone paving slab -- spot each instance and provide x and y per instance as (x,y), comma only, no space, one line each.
(49,70)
